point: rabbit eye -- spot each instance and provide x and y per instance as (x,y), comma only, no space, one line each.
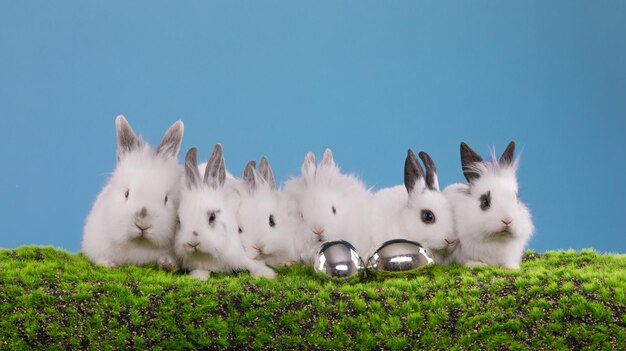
(334,210)
(485,201)
(240,230)
(272,222)
(126,194)
(428,216)
(165,200)
(211,217)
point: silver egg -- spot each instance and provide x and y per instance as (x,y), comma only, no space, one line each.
(338,259)
(400,255)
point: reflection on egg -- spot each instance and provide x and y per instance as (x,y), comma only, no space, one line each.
(400,255)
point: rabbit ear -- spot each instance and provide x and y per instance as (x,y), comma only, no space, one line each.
(192,175)
(469,158)
(215,172)
(431,171)
(127,141)
(249,178)
(170,145)
(266,172)
(308,166)
(507,156)
(412,171)
(328,160)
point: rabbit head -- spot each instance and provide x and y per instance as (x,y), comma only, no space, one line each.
(495,211)
(262,225)
(331,205)
(428,214)
(207,209)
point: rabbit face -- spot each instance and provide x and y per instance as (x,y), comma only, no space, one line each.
(206,221)
(495,201)
(144,196)
(430,218)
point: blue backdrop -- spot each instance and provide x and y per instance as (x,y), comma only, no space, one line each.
(367,79)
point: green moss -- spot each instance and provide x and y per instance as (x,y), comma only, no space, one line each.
(559,300)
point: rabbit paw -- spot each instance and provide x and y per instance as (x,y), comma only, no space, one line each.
(167,263)
(200,274)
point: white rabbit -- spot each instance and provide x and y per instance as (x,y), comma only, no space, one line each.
(331,206)
(208,239)
(263,223)
(416,211)
(493,224)
(133,220)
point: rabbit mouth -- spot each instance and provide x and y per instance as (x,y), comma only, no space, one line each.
(505,233)
(261,255)
(140,236)
(320,238)
(450,244)
(319,234)
(143,231)
(192,246)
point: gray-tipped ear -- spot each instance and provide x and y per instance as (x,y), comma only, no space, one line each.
(328,160)
(266,172)
(507,156)
(412,171)
(431,171)
(469,158)
(127,141)
(308,166)
(170,145)
(192,174)
(249,177)
(215,172)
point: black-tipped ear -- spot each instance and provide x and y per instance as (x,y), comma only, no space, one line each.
(215,172)
(170,145)
(469,158)
(127,141)
(431,171)
(266,172)
(192,174)
(507,156)
(249,177)
(412,171)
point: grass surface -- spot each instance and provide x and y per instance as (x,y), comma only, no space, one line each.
(558,300)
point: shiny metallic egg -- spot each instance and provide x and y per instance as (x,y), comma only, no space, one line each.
(400,255)
(338,259)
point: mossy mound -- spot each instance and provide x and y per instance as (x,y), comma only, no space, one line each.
(559,300)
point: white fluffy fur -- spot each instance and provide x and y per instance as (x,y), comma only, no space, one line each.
(396,214)
(481,237)
(219,247)
(111,236)
(311,199)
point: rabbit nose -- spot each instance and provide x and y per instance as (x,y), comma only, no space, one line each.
(143,229)
(193,244)
(507,221)
(143,213)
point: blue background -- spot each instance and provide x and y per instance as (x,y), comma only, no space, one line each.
(367,79)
